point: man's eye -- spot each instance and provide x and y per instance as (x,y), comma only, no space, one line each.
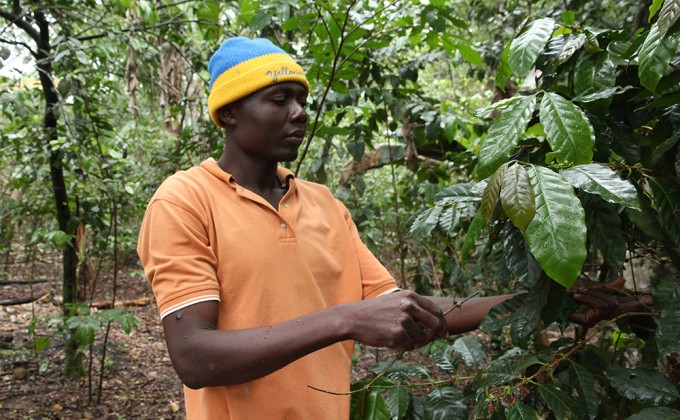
(279,101)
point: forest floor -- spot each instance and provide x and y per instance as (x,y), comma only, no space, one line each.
(138,382)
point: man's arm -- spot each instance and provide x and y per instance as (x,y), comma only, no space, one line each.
(205,356)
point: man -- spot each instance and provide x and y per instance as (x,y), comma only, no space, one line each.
(261,279)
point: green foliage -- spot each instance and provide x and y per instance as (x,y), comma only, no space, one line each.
(574,173)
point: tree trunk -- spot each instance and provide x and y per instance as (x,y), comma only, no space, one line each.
(73,358)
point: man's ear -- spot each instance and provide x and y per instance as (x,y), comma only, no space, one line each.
(226,115)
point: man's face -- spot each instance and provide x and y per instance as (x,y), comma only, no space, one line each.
(270,124)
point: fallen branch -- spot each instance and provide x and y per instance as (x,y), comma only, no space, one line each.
(121,303)
(21,301)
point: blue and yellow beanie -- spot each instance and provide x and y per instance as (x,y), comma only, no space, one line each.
(242,66)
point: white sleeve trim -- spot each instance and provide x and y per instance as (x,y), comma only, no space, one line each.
(394,289)
(189,302)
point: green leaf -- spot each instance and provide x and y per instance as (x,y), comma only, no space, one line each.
(595,73)
(660,413)
(517,196)
(643,385)
(398,402)
(470,349)
(502,104)
(512,364)
(41,343)
(559,401)
(668,330)
(462,193)
(521,411)
(665,146)
(425,223)
(492,193)
(470,54)
(369,404)
(602,94)
(521,313)
(525,48)
(599,179)
(587,387)
(567,130)
(670,11)
(559,50)
(655,55)
(503,72)
(504,134)
(666,199)
(666,291)
(604,231)
(518,258)
(557,233)
(654,8)
(474,232)
(445,403)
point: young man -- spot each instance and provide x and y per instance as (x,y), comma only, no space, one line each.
(261,279)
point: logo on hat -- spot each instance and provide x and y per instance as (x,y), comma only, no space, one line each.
(275,74)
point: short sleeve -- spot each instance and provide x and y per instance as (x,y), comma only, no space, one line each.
(375,278)
(175,251)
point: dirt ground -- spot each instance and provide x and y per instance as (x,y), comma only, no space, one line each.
(139,380)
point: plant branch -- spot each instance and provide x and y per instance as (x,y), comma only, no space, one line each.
(391,362)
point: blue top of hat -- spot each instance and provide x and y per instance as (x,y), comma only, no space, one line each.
(237,50)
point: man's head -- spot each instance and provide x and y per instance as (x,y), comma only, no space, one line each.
(242,66)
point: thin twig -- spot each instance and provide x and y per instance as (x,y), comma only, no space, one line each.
(391,362)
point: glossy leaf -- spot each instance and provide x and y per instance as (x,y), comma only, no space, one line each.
(445,403)
(567,130)
(604,231)
(666,199)
(398,401)
(668,330)
(470,350)
(518,258)
(457,193)
(643,385)
(670,11)
(521,411)
(517,196)
(587,387)
(657,413)
(492,193)
(369,404)
(425,223)
(474,232)
(500,105)
(557,233)
(655,55)
(521,313)
(524,49)
(593,74)
(503,72)
(599,179)
(503,135)
(559,401)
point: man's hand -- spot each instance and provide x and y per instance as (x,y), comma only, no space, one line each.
(605,301)
(401,321)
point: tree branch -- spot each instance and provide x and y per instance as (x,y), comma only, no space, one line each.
(19,22)
(18,43)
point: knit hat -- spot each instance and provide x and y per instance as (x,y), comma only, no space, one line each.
(242,66)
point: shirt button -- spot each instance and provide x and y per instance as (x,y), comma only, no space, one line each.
(283,225)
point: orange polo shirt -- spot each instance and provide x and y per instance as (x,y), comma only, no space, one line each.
(204,237)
